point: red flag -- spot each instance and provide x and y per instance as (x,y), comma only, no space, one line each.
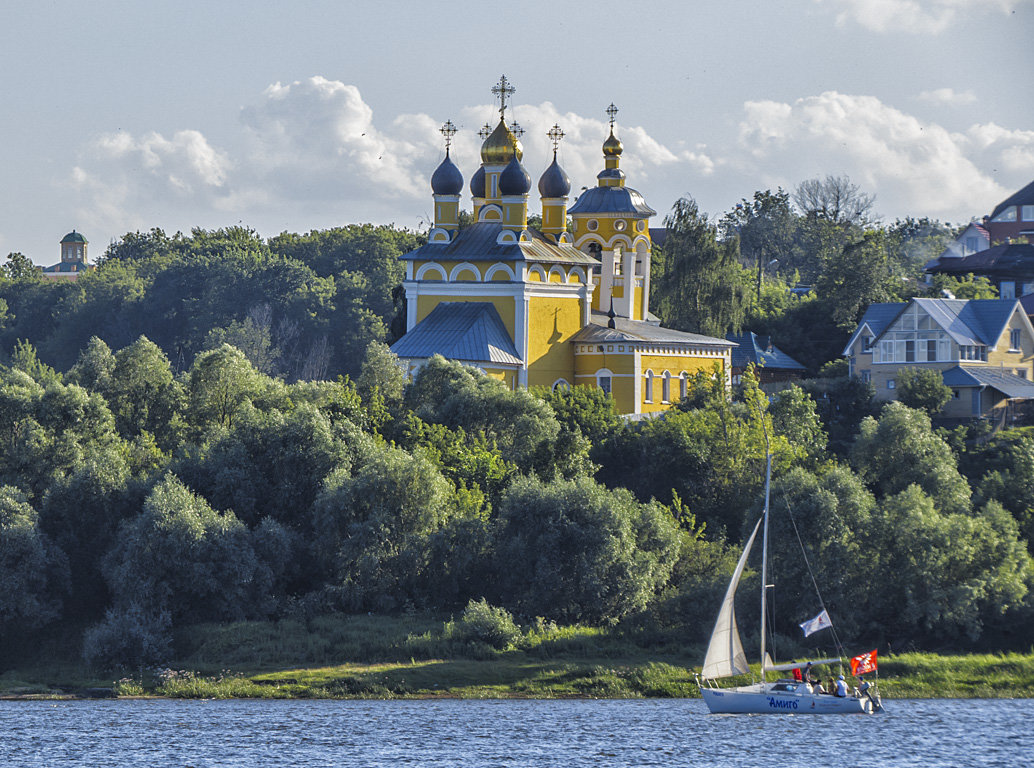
(863,663)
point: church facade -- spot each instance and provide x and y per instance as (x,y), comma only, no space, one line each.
(553,306)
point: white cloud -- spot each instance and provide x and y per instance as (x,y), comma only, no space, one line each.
(119,171)
(948,97)
(311,153)
(913,166)
(913,16)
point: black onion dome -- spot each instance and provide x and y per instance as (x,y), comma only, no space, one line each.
(514,180)
(447,179)
(554,182)
(477,182)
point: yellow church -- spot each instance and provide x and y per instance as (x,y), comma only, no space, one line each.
(546,307)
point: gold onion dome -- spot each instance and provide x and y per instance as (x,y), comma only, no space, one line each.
(612,146)
(500,146)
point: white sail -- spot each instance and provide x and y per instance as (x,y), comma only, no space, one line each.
(725,655)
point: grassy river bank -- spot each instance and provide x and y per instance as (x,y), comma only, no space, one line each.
(407,657)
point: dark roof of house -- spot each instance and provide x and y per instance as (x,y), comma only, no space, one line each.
(612,200)
(478,243)
(1009,259)
(752,349)
(632,331)
(1024,197)
(1027,302)
(879,316)
(1008,384)
(68,266)
(469,331)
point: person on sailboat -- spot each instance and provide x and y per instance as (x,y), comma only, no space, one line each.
(841,687)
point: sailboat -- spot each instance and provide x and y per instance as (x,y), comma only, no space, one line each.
(725,658)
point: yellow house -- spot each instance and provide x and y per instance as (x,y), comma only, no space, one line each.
(546,307)
(984,350)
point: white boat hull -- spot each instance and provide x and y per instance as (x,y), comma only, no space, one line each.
(765,699)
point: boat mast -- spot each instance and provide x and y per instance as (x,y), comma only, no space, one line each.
(764,546)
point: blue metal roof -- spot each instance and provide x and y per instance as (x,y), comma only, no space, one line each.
(759,350)
(469,331)
(478,243)
(1008,384)
(628,330)
(612,200)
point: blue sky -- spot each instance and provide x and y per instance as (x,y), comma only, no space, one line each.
(305,115)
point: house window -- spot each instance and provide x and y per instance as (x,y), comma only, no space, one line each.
(648,390)
(891,384)
(592,225)
(604,383)
(910,351)
(866,376)
(867,343)
(1009,214)
(954,394)
(971,244)
(1007,289)
(931,350)
(682,386)
(1021,372)
(666,388)
(1014,340)
(1027,212)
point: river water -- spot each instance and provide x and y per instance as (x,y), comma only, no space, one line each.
(565,734)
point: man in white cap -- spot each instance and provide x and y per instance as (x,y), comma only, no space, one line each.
(841,687)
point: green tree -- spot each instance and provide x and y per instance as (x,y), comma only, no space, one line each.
(923,389)
(221,381)
(951,572)
(766,228)
(181,556)
(519,424)
(33,571)
(376,528)
(901,449)
(699,285)
(20,267)
(574,551)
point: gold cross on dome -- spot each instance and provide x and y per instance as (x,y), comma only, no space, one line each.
(555,135)
(486,131)
(448,131)
(612,113)
(516,130)
(503,90)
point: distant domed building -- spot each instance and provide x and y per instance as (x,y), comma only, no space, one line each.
(546,307)
(73,258)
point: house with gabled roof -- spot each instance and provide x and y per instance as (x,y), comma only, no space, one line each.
(774,368)
(1005,257)
(984,349)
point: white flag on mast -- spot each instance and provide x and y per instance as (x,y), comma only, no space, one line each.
(812,626)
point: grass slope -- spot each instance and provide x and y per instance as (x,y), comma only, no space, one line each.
(416,657)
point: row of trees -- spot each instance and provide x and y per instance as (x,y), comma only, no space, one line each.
(800,267)
(299,306)
(136,500)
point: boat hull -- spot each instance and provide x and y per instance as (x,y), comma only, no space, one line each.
(765,699)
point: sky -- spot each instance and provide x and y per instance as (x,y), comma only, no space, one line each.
(124,116)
